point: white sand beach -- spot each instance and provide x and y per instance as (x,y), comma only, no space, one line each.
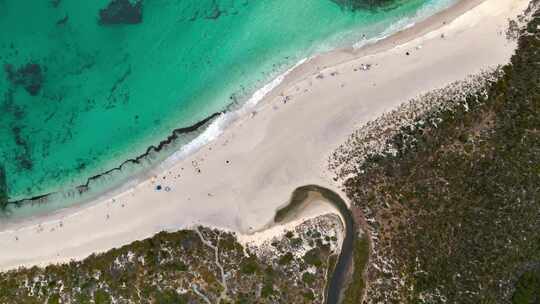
(237,181)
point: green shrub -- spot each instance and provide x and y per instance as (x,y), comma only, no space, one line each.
(286,259)
(527,289)
(249,265)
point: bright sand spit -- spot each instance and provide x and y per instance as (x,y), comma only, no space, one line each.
(253,167)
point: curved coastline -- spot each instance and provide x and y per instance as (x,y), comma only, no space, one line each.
(137,160)
(86,230)
(302,69)
(71,165)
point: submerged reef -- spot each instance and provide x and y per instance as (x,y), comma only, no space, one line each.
(55,3)
(121,12)
(363,4)
(30,76)
(25,162)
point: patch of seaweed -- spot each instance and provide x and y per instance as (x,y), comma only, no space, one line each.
(29,76)
(137,160)
(3,189)
(366,4)
(121,12)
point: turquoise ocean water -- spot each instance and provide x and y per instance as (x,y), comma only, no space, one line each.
(78,98)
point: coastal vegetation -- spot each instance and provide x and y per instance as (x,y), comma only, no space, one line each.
(451,200)
(189,266)
(450,204)
(527,288)
(354,251)
(354,292)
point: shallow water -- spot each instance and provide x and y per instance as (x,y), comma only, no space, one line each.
(77,98)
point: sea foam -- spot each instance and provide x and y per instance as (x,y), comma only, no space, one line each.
(218,126)
(407,22)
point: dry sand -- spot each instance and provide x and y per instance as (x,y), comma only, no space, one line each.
(253,167)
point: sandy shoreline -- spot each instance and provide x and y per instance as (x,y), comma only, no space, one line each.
(238,181)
